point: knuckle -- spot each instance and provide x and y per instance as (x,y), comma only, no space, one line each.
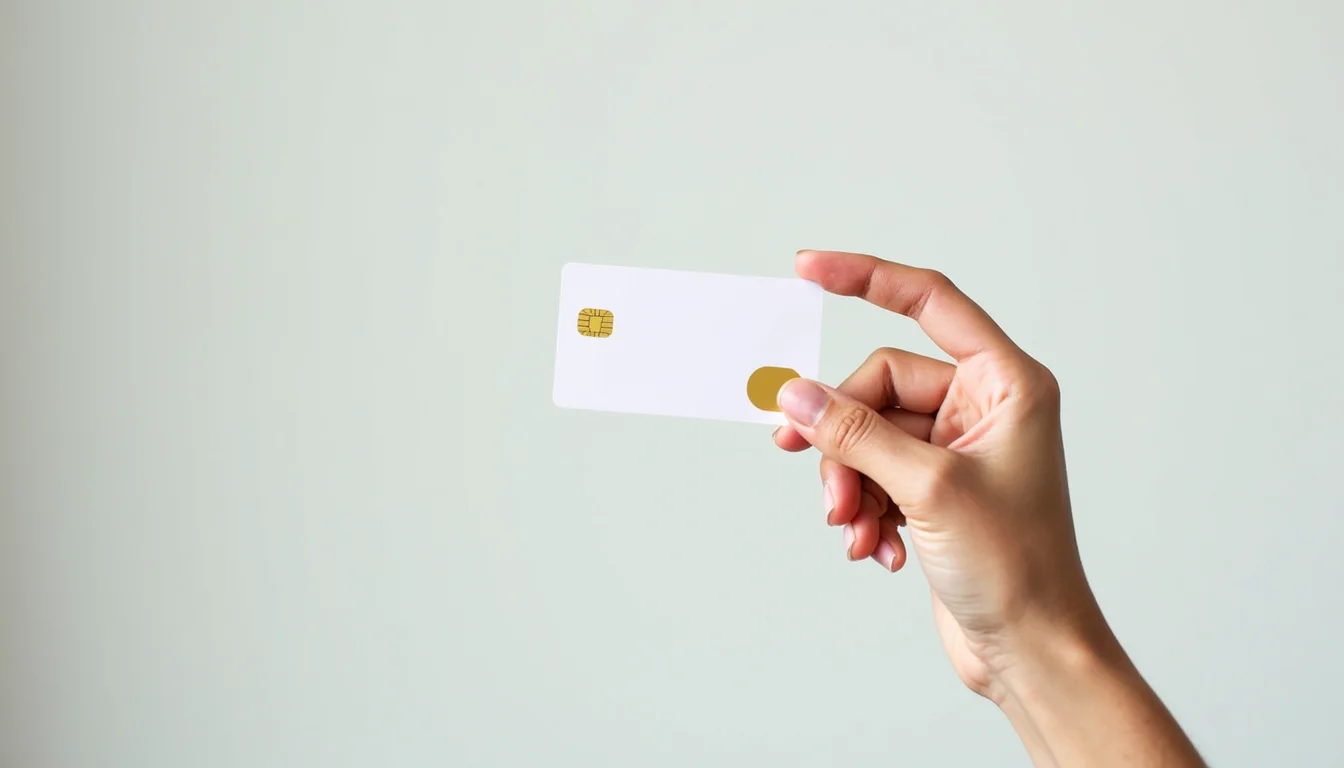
(882,359)
(880,356)
(1042,386)
(853,427)
(937,278)
(878,369)
(1049,385)
(885,359)
(829,470)
(934,282)
(1033,382)
(879,493)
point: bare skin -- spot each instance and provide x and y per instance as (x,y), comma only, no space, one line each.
(968,459)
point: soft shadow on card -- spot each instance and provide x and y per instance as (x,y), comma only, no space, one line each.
(691,344)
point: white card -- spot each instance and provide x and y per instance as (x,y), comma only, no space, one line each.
(692,344)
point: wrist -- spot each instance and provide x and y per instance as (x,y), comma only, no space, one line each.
(1075,698)
(1042,653)
(1042,664)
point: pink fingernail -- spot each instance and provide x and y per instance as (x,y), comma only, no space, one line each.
(828,501)
(803,401)
(849,540)
(886,555)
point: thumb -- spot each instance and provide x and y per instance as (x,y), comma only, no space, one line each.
(853,434)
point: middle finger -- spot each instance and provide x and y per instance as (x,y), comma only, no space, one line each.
(889,378)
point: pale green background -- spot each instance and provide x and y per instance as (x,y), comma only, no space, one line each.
(283,485)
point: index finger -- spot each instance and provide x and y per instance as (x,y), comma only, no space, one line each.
(950,318)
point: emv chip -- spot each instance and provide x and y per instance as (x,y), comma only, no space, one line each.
(596,322)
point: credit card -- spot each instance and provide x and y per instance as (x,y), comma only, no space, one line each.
(691,344)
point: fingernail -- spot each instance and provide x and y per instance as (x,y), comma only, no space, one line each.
(849,540)
(804,401)
(828,501)
(886,555)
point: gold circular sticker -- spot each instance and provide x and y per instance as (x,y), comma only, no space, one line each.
(764,385)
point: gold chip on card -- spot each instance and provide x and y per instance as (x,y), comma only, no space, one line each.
(598,323)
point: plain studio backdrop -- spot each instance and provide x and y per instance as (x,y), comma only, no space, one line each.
(282,480)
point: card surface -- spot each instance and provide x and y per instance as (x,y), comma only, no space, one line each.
(691,344)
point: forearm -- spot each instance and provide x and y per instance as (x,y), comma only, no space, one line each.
(1076,699)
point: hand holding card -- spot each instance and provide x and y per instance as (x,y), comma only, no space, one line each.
(970,454)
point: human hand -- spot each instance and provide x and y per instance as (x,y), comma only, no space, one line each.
(968,456)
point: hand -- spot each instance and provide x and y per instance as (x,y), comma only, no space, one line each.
(969,456)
